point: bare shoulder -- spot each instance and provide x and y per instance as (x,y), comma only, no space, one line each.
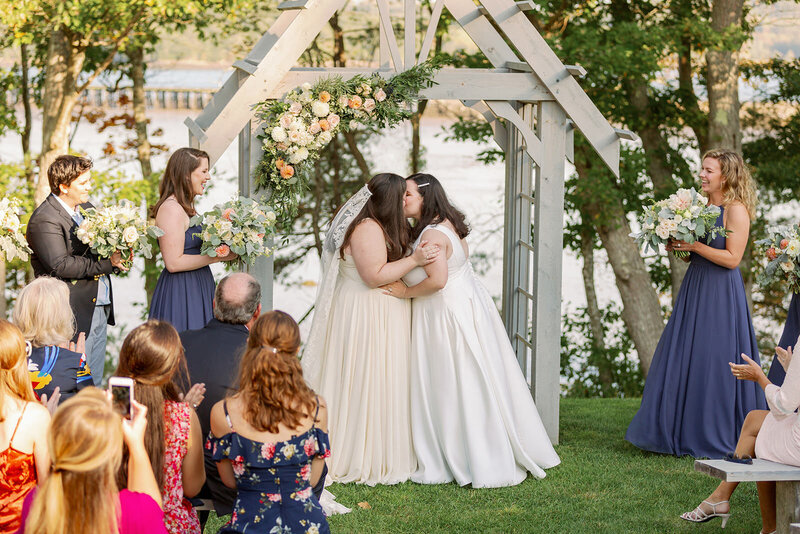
(368,226)
(737,211)
(36,415)
(170,211)
(322,404)
(432,235)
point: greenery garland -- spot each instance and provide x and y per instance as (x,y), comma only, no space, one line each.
(297,128)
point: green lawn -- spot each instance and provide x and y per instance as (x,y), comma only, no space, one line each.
(604,484)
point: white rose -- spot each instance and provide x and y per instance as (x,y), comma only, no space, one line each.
(130,235)
(286,121)
(295,136)
(306,86)
(225,226)
(369,105)
(300,155)
(353,125)
(325,138)
(306,97)
(320,109)
(678,219)
(333,120)
(278,134)
(271,216)
(314,128)
(295,108)
(662,231)
(343,101)
(787,266)
(380,96)
(793,248)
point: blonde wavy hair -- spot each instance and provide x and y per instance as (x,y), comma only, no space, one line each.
(43,314)
(80,496)
(737,183)
(14,379)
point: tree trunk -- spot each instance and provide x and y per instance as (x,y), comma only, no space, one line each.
(339,57)
(361,161)
(64,64)
(26,106)
(415,159)
(143,153)
(724,130)
(598,332)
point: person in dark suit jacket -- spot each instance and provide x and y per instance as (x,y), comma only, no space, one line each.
(213,354)
(57,252)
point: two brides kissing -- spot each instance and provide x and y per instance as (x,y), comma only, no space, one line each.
(410,352)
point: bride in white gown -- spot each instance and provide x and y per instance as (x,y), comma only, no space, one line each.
(472,415)
(358,352)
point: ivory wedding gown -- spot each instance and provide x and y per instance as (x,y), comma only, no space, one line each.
(363,375)
(472,415)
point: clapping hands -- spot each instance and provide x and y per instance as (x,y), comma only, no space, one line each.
(784,356)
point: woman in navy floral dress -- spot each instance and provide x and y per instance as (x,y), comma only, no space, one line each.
(270,440)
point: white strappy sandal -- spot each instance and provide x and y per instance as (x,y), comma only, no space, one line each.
(698,515)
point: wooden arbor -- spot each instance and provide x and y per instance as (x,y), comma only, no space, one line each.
(533,104)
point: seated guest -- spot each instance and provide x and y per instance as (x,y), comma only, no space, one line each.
(24,458)
(80,496)
(43,314)
(270,439)
(772,434)
(213,354)
(152,356)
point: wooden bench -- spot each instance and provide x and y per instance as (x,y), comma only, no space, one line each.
(787,487)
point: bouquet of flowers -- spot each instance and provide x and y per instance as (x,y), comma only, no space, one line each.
(12,242)
(240,226)
(121,228)
(685,215)
(782,249)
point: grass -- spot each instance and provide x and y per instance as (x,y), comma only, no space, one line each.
(603,484)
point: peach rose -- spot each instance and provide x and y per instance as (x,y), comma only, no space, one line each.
(280,163)
(295,108)
(784,243)
(355,102)
(771,253)
(344,101)
(324,125)
(333,120)
(324,97)
(369,105)
(223,250)
(380,95)
(227,213)
(287,171)
(315,128)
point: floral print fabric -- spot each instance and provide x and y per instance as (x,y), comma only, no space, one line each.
(179,516)
(274,483)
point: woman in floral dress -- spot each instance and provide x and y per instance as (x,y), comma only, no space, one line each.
(270,440)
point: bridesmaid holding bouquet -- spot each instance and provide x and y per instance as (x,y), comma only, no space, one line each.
(185,290)
(691,402)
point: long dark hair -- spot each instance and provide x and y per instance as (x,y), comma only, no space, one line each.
(152,355)
(177,178)
(385,207)
(436,208)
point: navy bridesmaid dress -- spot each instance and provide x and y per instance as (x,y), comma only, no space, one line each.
(692,404)
(789,337)
(185,298)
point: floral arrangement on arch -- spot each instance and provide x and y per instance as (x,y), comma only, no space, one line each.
(782,250)
(297,128)
(12,242)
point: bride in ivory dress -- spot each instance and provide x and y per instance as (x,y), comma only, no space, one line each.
(472,415)
(357,355)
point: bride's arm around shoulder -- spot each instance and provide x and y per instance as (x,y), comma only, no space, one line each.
(173,221)
(368,248)
(436,271)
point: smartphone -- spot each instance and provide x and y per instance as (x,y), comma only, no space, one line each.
(121,388)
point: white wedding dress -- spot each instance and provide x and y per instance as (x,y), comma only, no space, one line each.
(472,415)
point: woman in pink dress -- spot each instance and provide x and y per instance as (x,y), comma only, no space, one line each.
(80,496)
(772,435)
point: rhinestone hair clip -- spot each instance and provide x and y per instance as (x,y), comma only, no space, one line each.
(423,185)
